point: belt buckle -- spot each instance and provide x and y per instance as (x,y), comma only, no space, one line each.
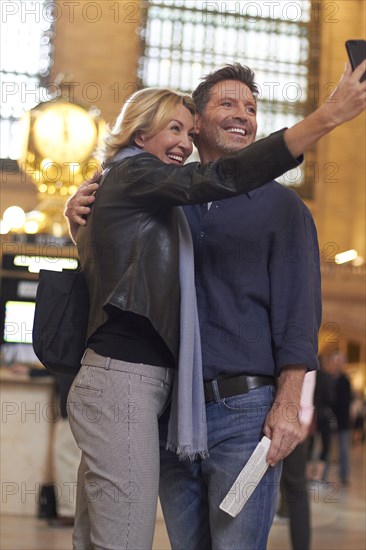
(211,391)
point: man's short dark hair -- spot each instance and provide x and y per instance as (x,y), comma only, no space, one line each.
(236,71)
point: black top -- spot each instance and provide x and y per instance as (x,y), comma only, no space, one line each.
(130,337)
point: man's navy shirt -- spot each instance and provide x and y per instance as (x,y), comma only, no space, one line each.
(257,281)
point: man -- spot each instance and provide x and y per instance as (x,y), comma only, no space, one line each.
(258,295)
(342,408)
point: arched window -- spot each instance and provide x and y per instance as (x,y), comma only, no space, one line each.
(186,39)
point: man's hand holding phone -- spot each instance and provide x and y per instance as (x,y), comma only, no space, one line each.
(356,50)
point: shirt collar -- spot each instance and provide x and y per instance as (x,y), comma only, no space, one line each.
(259,190)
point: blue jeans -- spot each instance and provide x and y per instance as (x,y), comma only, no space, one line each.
(190,493)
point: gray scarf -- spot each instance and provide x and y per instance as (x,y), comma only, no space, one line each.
(187,431)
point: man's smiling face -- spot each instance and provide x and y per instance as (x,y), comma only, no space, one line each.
(228,122)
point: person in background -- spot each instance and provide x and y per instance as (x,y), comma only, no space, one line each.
(323,400)
(358,413)
(341,407)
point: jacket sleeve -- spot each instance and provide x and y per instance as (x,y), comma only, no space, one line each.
(147,180)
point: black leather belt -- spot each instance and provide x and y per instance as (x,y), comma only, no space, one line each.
(235,385)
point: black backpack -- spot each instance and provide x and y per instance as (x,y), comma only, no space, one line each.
(61,320)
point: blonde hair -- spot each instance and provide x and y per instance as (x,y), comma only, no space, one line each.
(148,111)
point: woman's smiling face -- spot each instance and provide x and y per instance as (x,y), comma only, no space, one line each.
(174,143)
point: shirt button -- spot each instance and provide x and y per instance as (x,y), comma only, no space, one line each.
(202,234)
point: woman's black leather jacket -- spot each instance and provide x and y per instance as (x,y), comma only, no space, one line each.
(129,249)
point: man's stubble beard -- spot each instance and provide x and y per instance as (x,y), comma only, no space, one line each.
(220,142)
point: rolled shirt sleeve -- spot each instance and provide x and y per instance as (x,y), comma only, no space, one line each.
(296,293)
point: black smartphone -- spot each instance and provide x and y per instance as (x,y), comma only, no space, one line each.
(356,50)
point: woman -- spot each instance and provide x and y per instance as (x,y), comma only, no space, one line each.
(135,253)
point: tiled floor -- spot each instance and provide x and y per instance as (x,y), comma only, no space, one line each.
(338,517)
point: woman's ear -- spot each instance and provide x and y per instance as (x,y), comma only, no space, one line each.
(139,139)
